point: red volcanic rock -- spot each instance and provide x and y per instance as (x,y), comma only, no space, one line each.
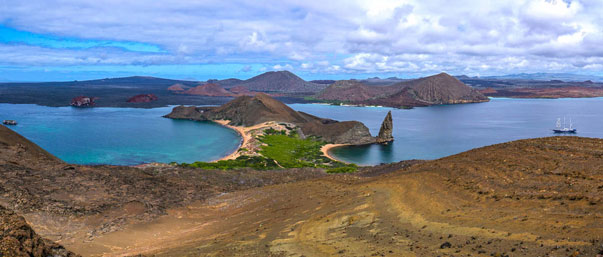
(209,89)
(143,98)
(83,101)
(177,88)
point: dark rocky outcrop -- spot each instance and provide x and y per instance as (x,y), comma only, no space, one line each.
(345,132)
(249,111)
(142,98)
(185,113)
(17,238)
(83,101)
(385,132)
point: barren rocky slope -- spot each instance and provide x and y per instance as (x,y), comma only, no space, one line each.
(534,197)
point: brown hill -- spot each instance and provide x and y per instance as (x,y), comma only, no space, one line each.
(432,90)
(248,111)
(536,197)
(280,82)
(441,89)
(209,89)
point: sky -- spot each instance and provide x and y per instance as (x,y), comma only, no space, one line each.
(61,40)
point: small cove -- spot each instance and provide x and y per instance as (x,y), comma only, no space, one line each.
(120,136)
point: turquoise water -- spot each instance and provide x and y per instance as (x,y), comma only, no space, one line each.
(120,136)
(439,131)
(129,136)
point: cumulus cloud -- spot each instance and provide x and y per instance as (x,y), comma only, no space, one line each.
(339,36)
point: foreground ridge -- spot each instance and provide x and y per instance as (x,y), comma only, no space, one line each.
(528,197)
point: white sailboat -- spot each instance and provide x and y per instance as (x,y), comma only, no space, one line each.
(564,129)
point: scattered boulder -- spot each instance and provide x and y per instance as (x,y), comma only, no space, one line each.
(385,133)
(83,101)
(445,245)
(142,98)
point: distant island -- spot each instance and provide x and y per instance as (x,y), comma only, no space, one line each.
(432,90)
(267,124)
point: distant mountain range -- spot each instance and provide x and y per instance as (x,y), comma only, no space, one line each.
(396,92)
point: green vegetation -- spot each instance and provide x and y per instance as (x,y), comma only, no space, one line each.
(282,150)
(344,169)
(290,151)
(255,162)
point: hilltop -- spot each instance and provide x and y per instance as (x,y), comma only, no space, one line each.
(281,82)
(433,90)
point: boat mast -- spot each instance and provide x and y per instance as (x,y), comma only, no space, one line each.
(564,122)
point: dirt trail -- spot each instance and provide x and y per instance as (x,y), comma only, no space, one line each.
(407,213)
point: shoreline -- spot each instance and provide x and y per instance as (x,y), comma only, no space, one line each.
(326,148)
(245,138)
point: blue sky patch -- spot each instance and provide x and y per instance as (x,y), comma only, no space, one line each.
(13,36)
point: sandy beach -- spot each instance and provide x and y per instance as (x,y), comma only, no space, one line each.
(245,135)
(325,150)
